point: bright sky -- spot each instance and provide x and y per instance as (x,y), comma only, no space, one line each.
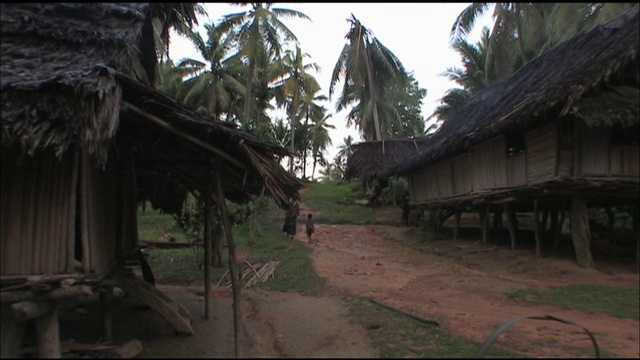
(417,33)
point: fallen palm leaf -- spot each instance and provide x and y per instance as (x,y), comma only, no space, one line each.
(496,334)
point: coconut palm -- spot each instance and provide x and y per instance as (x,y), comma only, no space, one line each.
(177,16)
(293,86)
(320,140)
(215,85)
(259,37)
(364,64)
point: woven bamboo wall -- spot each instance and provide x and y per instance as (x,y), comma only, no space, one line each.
(542,148)
(38,213)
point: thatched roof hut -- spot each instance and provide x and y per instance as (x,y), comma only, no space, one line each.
(579,77)
(67,71)
(85,138)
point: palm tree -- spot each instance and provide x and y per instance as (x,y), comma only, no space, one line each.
(213,88)
(293,86)
(365,64)
(178,16)
(320,140)
(259,32)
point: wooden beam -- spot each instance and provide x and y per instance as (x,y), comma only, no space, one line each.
(27,310)
(166,126)
(484,219)
(11,335)
(237,310)
(558,233)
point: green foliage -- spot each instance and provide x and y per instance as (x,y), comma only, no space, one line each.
(589,298)
(335,203)
(394,193)
(397,336)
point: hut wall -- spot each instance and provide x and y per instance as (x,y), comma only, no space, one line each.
(99,216)
(593,147)
(516,169)
(625,160)
(430,178)
(418,187)
(462,182)
(443,177)
(542,147)
(488,164)
(38,213)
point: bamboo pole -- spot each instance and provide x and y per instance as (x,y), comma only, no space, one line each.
(208,223)
(232,264)
(484,218)
(62,178)
(84,212)
(44,213)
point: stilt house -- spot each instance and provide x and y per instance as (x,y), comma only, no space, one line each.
(560,134)
(85,140)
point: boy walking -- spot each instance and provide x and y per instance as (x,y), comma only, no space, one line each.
(310,227)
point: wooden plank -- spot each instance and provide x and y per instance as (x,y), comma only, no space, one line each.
(541,145)
(84,212)
(150,296)
(44,213)
(29,218)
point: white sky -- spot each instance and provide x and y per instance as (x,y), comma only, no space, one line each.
(417,33)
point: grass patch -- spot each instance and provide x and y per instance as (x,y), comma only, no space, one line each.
(397,336)
(335,201)
(618,302)
(152,223)
(260,238)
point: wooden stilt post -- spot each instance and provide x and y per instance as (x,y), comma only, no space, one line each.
(537,226)
(456,224)
(553,221)
(497,219)
(484,218)
(580,231)
(11,334)
(512,223)
(48,335)
(237,311)
(208,224)
(635,215)
(558,234)
(106,312)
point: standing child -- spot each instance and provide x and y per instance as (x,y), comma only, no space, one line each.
(310,226)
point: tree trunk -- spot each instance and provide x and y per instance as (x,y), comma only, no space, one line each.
(372,89)
(512,223)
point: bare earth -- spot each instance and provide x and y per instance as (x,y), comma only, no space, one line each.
(460,283)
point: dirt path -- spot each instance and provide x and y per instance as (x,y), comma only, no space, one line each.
(460,283)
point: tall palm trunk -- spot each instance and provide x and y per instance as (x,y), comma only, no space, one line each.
(372,89)
(247,96)
(294,110)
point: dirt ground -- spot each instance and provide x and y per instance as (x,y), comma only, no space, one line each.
(461,283)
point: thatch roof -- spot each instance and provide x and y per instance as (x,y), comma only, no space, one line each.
(592,77)
(75,73)
(372,158)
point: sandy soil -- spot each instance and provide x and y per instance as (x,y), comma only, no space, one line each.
(461,283)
